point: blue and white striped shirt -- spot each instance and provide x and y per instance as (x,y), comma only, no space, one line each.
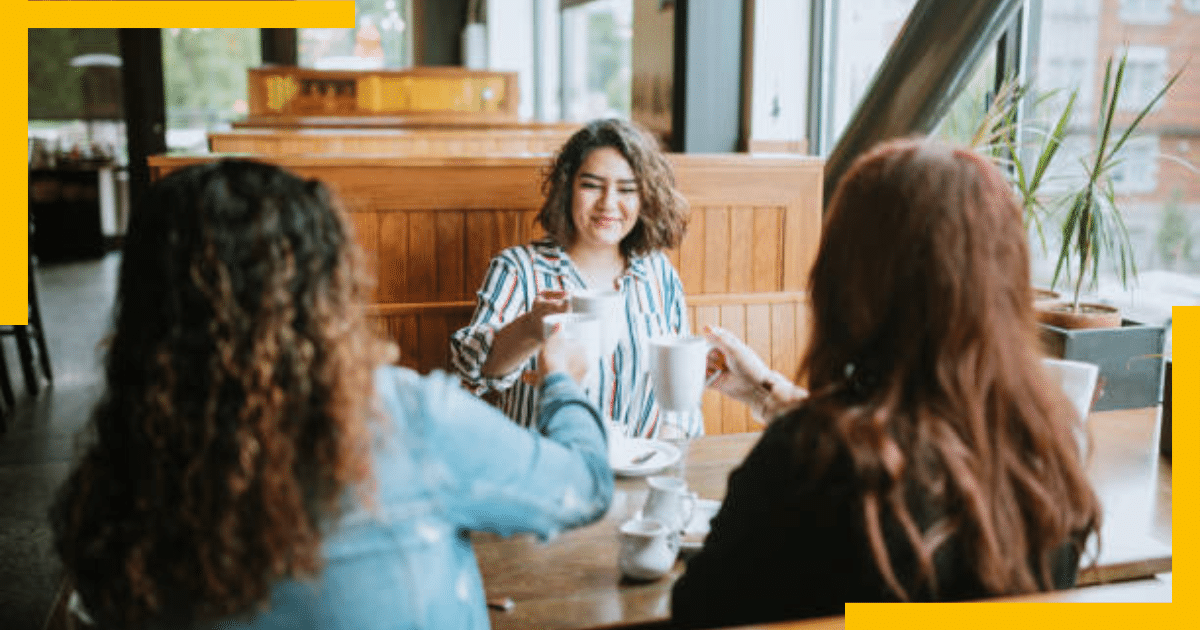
(654,305)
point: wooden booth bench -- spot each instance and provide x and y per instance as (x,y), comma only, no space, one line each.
(430,226)
(415,142)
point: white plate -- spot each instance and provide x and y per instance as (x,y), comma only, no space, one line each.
(637,457)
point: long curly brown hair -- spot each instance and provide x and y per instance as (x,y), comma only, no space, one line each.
(924,361)
(238,399)
(663,215)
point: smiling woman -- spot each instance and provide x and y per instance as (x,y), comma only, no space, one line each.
(611,209)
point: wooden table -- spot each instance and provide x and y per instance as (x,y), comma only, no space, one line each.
(573,580)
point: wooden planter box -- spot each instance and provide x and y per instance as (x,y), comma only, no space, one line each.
(1130,359)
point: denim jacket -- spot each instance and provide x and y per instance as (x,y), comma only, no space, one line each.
(445,465)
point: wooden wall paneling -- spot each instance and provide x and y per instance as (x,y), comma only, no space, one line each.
(767,274)
(735,417)
(760,337)
(691,254)
(741,250)
(711,403)
(393,261)
(716,250)
(785,337)
(434,343)
(803,315)
(422,257)
(801,229)
(365,226)
(450,248)
(405,331)
(481,242)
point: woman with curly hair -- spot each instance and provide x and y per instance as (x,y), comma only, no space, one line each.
(254,464)
(611,209)
(934,459)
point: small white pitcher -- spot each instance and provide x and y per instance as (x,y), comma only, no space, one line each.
(669,502)
(648,549)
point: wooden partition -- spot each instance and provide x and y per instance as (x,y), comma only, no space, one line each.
(428,142)
(432,120)
(479,95)
(430,226)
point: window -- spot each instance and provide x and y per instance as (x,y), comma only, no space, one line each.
(382,39)
(1155,181)
(597,59)
(1145,74)
(204,81)
(859,35)
(1138,169)
(1145,11)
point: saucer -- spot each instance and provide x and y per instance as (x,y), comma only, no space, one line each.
(637,457)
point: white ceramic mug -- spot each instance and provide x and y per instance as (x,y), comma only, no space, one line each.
(608,309)
(669,502)
(677,366)
(582,328)
(648,549)
(1078,380)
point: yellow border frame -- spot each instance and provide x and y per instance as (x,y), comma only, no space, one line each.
(257,14)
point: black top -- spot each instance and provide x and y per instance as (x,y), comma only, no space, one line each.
(789,542)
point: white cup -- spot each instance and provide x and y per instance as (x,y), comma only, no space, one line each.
(669,502)
(1078,381)
(648,549)
(583,328)
(677,370)
(608,307)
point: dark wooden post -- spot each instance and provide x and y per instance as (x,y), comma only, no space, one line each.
(145,105)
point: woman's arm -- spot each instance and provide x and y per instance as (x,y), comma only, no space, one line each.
(777,536)
(505,329)
(506,479)
(513,344)
(736,371)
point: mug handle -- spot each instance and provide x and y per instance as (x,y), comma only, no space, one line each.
(688,504)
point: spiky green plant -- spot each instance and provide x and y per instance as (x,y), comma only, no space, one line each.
(1092,228)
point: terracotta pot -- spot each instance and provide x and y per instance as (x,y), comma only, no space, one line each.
(1041,296)
(1089,316)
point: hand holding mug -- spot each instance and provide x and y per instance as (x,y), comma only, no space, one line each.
(736,371)
(562,353)
(546,303)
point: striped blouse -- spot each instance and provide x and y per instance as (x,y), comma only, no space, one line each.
(654,305)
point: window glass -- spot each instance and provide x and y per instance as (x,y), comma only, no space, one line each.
(204,81)
(1157,181)
(381,39)
(597,62)
(858,36)
(961,122)
(1145,11)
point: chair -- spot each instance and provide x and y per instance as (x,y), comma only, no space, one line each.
(29,338)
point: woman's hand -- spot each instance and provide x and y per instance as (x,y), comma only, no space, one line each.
(561,353)
(520,339)
(546,303)
(736,371)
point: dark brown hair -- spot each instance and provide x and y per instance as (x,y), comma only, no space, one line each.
(237,400)
(662,219)
(924,359)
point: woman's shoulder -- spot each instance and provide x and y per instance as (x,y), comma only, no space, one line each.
(536,252)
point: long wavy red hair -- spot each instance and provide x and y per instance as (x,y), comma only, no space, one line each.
(924,359)
(236,407)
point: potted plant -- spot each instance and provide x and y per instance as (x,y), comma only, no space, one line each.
(1092,228)
(998,134)
(1093,234)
